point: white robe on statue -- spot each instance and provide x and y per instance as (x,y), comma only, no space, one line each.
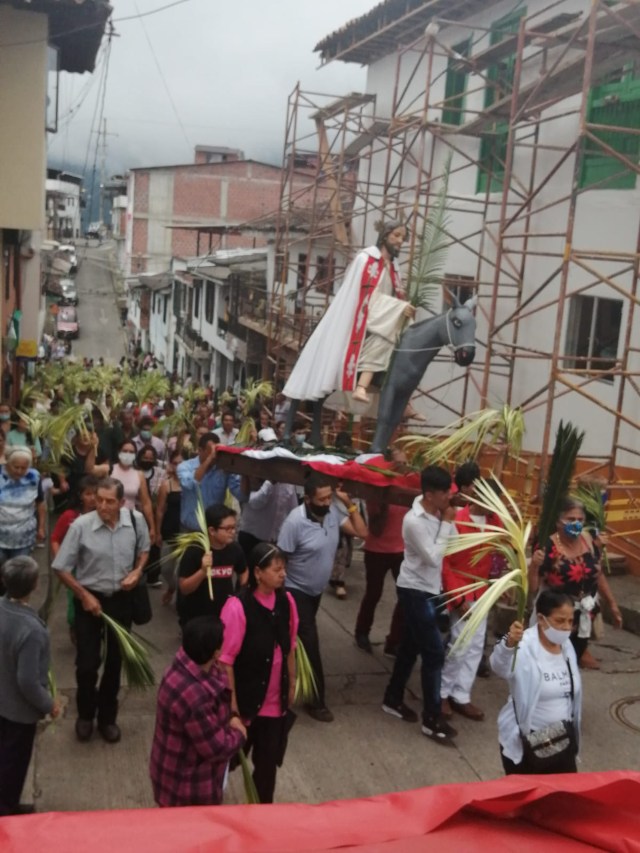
(327,362)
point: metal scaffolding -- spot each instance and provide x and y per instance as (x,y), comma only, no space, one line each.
(551,60)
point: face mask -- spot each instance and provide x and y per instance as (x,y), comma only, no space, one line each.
(299,438)
(146,465)
(320,511)
(555,635)
(4,417)
(573,528)
(145,434)
(127,458)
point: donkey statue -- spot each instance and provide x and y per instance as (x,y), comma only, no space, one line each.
(415,350)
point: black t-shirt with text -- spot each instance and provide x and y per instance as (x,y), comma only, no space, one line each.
(226,561)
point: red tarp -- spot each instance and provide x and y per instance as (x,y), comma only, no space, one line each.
(586,811)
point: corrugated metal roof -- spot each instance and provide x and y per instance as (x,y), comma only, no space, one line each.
(76,28)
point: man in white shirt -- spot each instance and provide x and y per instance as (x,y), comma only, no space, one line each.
(228,431)
(425,530)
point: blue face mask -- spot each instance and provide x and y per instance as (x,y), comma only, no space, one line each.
(573,528)
(4,417)
(299,437)
(145,434)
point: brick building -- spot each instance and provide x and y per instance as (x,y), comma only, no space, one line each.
(170,207)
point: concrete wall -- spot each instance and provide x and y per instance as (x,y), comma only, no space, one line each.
(23,79)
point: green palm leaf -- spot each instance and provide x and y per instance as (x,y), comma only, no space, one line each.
(427,266)
(136,665)
(565,452)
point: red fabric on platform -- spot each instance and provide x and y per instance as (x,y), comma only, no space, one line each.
(567,813)
(352,470)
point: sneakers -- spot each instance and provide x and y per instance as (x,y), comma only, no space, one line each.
(439,730)
(341,591)
(363,642)
(401,711)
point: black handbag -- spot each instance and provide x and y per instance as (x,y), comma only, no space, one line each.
(547,749)
(141,611)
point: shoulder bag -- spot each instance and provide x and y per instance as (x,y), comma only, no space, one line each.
(547,748)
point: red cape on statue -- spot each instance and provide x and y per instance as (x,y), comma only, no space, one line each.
(585,811)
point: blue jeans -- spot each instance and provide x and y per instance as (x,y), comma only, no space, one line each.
(421,637)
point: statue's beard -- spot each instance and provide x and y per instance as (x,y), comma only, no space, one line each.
(393,251)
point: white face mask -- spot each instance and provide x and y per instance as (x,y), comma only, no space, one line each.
(126,458)
(555,635)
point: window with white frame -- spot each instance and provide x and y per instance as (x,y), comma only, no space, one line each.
(593,334)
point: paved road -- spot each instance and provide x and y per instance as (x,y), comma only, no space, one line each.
(101,333)
(363,753)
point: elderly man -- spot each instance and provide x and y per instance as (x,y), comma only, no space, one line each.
(24,663)
(309,537)
(200,476)
(108,548)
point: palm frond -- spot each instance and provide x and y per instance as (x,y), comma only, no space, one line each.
(306,688)
(136,665)
(565,452)
(250,790)
(590,495)
(427,267)
(255,391)
(510,540)
(466,437)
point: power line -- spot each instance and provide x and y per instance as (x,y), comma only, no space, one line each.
(162,77)
(94,26)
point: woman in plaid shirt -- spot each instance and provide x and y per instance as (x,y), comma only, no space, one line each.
(196,733)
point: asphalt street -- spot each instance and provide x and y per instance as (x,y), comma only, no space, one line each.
(101,333)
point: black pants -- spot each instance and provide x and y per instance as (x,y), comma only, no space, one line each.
(566,764)
(266,741)
(376,567)
(308,632)
(91,632)
(16,745)
(247,541)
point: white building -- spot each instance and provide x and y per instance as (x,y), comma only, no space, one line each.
(544,205)
(63,203)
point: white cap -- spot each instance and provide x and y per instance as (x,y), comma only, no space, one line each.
(267,434)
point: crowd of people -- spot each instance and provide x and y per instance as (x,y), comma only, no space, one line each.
(248,587)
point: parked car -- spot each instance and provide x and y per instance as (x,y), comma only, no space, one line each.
(68,251)
(68,292)
(94,231)
(67,326)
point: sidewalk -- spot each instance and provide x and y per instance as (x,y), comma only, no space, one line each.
(363,753)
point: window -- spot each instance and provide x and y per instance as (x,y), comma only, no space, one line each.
(301,277)
(493,155)
(165,308)
(455,85)
(463,287)
(593,334)
(196,298)
(209,301)
(493,145)
(325,272)
(616,104)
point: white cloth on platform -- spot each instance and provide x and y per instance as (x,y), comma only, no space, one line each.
(320,368)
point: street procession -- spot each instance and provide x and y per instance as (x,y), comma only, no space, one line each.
(319,472)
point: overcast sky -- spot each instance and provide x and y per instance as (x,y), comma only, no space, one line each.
(229,68)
